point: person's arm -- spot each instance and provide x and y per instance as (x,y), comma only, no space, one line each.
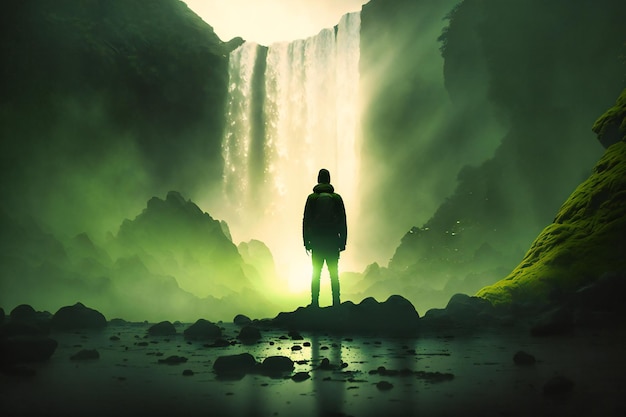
(305,222)
(343,224)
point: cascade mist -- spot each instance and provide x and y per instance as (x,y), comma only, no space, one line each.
(291,110)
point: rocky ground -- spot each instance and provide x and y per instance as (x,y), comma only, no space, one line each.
(252,368)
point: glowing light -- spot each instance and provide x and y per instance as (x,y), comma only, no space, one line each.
(271,21)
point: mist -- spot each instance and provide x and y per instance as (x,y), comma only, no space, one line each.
(465,144)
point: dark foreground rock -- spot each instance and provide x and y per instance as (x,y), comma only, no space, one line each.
(26,348)
(395,316)
(235,365)
(202,330)
(77,317)
(249,334)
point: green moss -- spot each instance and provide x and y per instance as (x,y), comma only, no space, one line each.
(585,240)
(611,126)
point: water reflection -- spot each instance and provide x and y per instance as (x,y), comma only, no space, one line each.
(328,391)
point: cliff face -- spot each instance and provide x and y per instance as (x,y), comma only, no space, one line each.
(480,169)
(585,242)
(126,93)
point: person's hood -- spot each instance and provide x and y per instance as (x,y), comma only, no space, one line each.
(323,188)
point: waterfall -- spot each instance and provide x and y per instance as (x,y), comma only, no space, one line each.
(292,109)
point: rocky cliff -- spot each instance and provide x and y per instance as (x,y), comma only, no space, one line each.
(585,242)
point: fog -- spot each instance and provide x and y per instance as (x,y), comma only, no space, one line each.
(465,147)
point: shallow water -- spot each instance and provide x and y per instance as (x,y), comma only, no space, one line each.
(128,380)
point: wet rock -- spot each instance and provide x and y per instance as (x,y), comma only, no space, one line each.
(78,317)
(296,347)
(173,360)
(276,365)
(26,348)
(524,359)
(234,365)
(202,330)
(326,365)
(300,376)
(241,320)
(395,316)
(114,338)
(188,372)
(384,385)
(558,386)
(249,334)
(463,310)
(164,328)
(85,354)
(294,335)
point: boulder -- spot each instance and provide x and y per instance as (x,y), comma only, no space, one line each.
(523,358)
(276,365)
(26,348)
(202,330)
(164,328)
(78,317)
(234,365)
(241,320)
(249,334)
(23,312)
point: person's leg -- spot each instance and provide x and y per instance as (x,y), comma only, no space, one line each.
(318,262)
(332,262)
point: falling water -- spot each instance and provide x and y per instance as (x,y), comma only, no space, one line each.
(292,109)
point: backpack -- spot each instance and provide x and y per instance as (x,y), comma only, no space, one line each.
(325,211)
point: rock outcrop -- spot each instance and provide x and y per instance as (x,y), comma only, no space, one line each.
(395,316)
(586,240)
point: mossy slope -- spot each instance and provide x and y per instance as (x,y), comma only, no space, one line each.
(586,239)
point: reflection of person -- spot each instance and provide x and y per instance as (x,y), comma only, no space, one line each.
(324,231)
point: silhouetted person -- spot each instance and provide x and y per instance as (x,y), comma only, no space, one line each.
(324,231)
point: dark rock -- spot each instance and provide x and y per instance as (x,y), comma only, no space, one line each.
(558,386)
(249,334)
(241,320)
(396,316)
(234,365)
(23,312)
(326,365)
(300,376)
(434,376)
(85,354)
(1,315)
(114,338)
(173,360)
(294,335)
(523,358)
(296,347)
(26,348)
(164,328)
(276,365)
(202,330)
(17,328)
(384,385)
(78,317)
(118,322)
(188,372)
